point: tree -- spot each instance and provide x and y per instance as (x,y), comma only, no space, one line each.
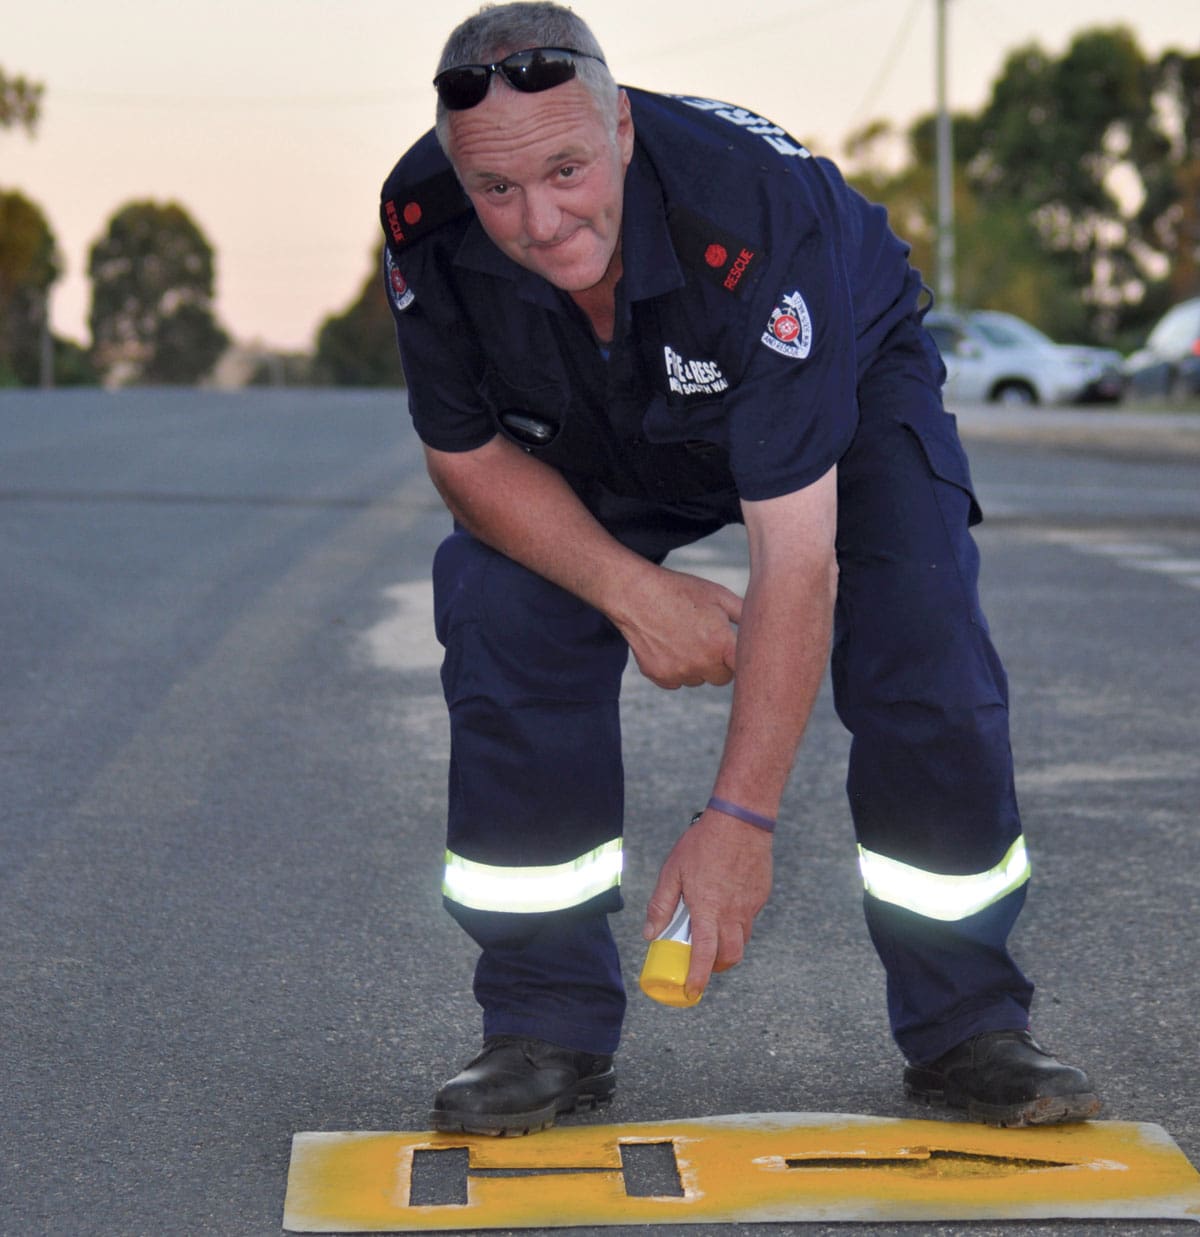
(72,364)
(1077,187)
(1050,144)
(358,347)
(29,265)
(152,290)
(20,102)
(1168,221)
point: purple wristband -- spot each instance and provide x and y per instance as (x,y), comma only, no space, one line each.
(765,823)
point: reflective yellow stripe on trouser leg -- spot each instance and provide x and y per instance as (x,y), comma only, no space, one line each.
(936,895)
(527,890)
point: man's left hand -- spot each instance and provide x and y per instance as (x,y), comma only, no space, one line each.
(722,869)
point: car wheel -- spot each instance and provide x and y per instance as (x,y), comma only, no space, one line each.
(1015,395)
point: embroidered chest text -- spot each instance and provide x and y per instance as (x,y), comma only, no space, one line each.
(693,377)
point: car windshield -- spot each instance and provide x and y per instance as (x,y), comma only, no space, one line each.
(1005,331)
(1177,329)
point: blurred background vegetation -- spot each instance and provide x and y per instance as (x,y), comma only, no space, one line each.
(1076,188)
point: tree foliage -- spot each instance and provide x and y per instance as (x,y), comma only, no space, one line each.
(20,102)
(1049,145)
(1077,187)
(29,265)
(1168,221)
(358,347)
(152,291)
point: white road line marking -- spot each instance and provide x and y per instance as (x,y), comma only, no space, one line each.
(1169,566)
(405,640)
(1119,549)
(1134,555)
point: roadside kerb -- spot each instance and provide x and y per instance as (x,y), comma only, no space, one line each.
(1145,433)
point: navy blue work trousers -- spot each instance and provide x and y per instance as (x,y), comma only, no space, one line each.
(532,678)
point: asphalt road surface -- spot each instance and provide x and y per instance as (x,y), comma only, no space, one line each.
(222,751)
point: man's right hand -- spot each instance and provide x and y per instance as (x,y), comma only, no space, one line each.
(680,629)
(678,625)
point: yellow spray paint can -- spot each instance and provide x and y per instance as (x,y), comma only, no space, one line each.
(667,960)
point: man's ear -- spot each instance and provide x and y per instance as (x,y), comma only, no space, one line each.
(624,128)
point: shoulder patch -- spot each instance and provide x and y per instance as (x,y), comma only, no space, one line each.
(402,296)
(412,213)
(789,330)
(718,255)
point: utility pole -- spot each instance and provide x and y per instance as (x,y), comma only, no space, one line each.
(945,172)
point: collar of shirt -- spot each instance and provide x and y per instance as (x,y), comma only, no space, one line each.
(650,265)
(648,258)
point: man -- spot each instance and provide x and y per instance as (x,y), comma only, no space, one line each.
(628,320)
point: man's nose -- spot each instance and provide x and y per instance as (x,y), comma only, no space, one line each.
(542,216)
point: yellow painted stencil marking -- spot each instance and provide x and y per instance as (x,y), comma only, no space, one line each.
(744,1168)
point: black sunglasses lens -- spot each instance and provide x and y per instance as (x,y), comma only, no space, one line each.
(530,71)
(463,87)
(537,70)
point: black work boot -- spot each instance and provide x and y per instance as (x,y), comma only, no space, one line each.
(1004,1078)
(517,1085)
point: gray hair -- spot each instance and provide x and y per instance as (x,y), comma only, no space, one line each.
(500,29)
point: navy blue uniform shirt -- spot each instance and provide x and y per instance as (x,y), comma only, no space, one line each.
(757,288)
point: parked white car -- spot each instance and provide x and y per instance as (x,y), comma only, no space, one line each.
(997,357)
(1168,365)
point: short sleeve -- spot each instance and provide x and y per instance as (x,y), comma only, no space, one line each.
(794,412)
(439,366)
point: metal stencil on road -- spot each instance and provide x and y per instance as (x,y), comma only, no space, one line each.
(751,1167)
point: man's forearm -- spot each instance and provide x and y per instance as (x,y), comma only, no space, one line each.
(527,511)
(783,641)
(677,625)
(783,648)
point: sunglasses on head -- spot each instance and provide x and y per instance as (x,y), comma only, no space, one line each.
(530,71)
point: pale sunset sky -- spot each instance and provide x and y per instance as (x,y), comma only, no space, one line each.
(274,122)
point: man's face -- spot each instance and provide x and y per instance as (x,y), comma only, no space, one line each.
(546,175)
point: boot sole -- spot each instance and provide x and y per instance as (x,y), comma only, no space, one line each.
(1044,1110)
(589,1093)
